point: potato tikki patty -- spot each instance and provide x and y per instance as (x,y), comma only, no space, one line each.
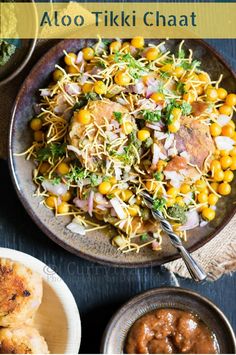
(22,340)
(20,293)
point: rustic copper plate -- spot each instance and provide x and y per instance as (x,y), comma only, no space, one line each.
(96,246)
(114,337)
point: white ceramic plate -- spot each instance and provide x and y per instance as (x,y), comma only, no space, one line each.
(57,319)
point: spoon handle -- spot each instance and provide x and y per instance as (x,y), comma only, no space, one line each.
(195,270)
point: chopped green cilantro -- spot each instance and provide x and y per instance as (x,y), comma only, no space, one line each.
(158,176)
(151,116)
(159,204)
(106,42)
(168,112)
(134,140)
(188,66)
(118,116)
(128,157)
(94,179)
(148,142)
(181,54)
(82,101)
(101,64)
(85,194)
(76,174)
(144,237)
(180,88)
(56,180)
(91,96)
(136,68)
(164,75)
(186,108)
(52,151)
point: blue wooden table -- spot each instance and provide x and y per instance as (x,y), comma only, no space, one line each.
(99,290)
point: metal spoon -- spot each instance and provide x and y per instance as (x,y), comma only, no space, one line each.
(196,272)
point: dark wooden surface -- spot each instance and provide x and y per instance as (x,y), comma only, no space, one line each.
(99,290)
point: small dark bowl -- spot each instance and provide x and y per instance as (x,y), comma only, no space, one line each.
(17,61)
(23,52)
(168,297)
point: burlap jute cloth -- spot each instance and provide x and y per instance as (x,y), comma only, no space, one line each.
(217,257)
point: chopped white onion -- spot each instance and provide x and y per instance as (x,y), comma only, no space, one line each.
(162,48)
(160,135)
(59,109)
(121,224)
(101,207)
(83,79)
(132,200)
(163,156)
(172,152)
(118,208)
(155,126)
(58,189)
(222,120)
(146,104)
(118,173)
(121,101)
(175,178)
(80,58)
(84,182)
(133,50)
(138,88)
(156,153)
(191,173)
(111,135)
(99,47)
(74,149)
(152,86)
(95,71)
(82,204)
(224,143)
(90,203)
(108,164)
(127,168)
(185,155)
(76,227)
(192,221)
(188,198)
(45,92)
(123,186)
(115,124)
(169,141)
(72,89)
(100,199)
(81,69)
(203,223)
